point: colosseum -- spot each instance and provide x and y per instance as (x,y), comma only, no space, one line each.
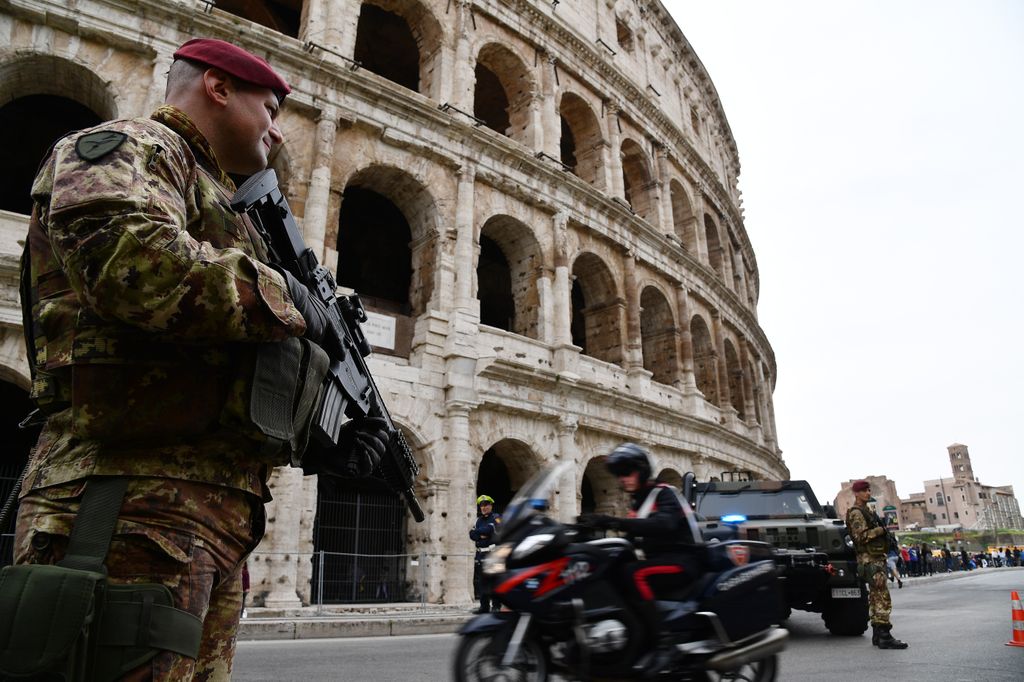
(537,203)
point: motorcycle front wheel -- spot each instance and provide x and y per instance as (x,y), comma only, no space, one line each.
(761,670)
(478,659)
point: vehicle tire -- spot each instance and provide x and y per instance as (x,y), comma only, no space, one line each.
(761,670)
(846,617)
(478,659)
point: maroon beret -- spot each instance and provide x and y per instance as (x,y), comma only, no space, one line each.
(860,485)
(235,61)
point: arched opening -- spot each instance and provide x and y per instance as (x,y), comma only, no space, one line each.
(18,444)
(387,241)
(683,220)
(705,360)
(671,477)
(714,246)
(636,180)
(600,489)
(283,16)
(504,468)
(734,371)
(386,46)
(44,98)
(598,310)
(507,275)
(581,141)
(658,335)
(503,92)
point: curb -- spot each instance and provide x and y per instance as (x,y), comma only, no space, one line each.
(253,629)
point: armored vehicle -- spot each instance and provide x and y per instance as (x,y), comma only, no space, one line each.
(813,550)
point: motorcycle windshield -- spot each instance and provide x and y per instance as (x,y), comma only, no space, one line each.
(534,497)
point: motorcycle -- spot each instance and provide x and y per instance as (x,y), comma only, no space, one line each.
(564,610)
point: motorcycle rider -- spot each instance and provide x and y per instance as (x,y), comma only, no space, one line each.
(487,524)
(663,529)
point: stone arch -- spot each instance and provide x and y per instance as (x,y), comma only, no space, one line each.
(672,477)
(400,40)
(390,239)
(508,269)
(599,489)
(597,309)
(636,180)
(734,371)
(503,92)
(44,98)
(684,222)
(504,467)
(658,335)
(716,251)
(581,145)
(283,16)
(705,359)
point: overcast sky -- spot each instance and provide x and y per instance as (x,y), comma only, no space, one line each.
(882,154)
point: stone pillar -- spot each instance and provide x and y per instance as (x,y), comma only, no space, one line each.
(747,383)
(722,375)
(634,343)
(561,289)
(568,492)
(280,548)
(616,188)
(685,352)
(550,143)
(459,572)
(155,97)
(464,79)
(342,23)
(315,28)
(465,241)
(318,199)
(761,396)
(665,218)
(700,236)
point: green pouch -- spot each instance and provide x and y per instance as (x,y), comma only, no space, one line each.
(45,618)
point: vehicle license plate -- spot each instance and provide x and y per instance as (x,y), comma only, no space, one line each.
(846,593)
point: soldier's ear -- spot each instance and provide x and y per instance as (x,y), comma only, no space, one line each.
(218,86)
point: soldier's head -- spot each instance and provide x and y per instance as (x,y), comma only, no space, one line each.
(861,491)
(631,464)
(233,97)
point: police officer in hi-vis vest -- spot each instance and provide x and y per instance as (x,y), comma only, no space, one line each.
(482,533)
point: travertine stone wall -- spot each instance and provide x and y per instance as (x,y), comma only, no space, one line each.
(643,243)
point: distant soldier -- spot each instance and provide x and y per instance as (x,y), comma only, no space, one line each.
(482,533)
(872,542)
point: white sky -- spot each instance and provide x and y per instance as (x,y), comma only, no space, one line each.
(882,154)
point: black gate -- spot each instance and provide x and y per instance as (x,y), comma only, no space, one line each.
(359,535)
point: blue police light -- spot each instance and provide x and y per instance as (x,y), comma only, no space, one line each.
(733,518)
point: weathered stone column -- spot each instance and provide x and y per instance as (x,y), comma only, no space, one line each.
(699,232)
(665,218)
(155,97)
(722,375)
(459,571)
(552,124)
(464,78)
(342,23)
(280,547)
(318,199)
(747,384)
(315,28)
(561,289)
(465,241)
(616,186)
(634,343)
(569,493)
(685,353)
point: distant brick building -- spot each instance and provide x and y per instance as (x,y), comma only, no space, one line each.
(882,490)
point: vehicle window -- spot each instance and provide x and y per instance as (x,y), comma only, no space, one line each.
(714,505)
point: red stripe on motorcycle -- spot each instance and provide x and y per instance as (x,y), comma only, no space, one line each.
(640,578)
(550,582)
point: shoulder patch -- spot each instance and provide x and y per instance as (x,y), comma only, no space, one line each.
(94,146)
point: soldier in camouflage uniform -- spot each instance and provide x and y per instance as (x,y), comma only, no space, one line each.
(149,298)
(872,542)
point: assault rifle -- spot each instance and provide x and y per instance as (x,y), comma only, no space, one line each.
(349,389)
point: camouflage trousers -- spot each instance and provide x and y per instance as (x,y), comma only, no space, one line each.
(879,601)
(191,537)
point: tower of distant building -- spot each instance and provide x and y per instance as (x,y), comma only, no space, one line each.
(960,501)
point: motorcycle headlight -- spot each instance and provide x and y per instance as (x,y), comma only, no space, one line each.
(495,561)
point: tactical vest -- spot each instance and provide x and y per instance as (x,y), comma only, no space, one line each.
(878,545)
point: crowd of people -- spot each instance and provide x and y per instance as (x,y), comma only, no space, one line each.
(923,559)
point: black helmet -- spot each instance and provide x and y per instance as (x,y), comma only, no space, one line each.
(627,458)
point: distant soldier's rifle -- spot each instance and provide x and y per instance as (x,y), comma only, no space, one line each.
(349,389)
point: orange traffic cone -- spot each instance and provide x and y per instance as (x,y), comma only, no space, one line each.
(1016,620)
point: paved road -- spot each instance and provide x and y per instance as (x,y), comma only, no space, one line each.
(957,629)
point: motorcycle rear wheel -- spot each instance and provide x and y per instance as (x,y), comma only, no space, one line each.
(761,670)
(478,659)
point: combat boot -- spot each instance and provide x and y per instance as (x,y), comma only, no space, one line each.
(876,631)
(887,641)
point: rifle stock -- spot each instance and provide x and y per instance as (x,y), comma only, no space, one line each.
(349,389)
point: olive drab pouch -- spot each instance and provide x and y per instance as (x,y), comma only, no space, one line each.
(46,626)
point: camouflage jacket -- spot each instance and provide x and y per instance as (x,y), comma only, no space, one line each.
(870,546)
(147,297)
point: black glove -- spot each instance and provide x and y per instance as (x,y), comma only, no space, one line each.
(313,310)
(599,521)
(360,446)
